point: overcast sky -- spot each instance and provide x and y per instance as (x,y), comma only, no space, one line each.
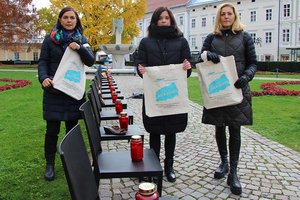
(41,3)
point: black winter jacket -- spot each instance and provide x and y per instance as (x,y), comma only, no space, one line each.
(163,51)
(241,46)
(57,105)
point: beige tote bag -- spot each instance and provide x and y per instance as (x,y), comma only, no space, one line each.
(165,90)
(70,76)
(217,83)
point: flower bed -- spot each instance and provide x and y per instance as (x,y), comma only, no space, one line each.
(272,89)
(17,84)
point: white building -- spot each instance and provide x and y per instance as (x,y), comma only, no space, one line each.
(274,24)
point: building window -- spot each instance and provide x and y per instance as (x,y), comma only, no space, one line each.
(35,56)
(204,22)
(193,41)
(285,35)
(286,10)
(240,16)
(181,20)
(17,56)
(253,36)
(269,14)
(193,23)
(253,16)
(213,20)
(268,37)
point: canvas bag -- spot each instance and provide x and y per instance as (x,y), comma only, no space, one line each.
(165,90)
(70,76)
(217,83)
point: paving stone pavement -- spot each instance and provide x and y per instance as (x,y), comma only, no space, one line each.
(267,169)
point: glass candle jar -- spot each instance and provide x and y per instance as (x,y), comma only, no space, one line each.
(123,120)
(114,96)
(119,106)
(136,148)
(147,191)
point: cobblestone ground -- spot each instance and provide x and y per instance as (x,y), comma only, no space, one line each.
(267,170)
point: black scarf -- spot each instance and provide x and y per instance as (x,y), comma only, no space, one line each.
(164,32)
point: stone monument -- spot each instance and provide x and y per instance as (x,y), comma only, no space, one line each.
(118,50)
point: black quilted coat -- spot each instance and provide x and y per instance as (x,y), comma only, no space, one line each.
(163,51)
(57,105)
(241,46)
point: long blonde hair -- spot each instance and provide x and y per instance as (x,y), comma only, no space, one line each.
(236,26)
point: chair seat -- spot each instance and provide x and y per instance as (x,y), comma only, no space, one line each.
(109,103)
(108,96)
(132,130)
(118,164)
(107,91)
(107,87)
(112,115)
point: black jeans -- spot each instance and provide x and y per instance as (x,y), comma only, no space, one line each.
(51,137)
(170,142)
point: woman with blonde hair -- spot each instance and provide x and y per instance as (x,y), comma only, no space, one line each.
(229,38)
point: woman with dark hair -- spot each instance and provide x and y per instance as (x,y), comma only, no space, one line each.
(164,45)
(229,38)
(57,106)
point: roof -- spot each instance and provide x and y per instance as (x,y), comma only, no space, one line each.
(153,4)
(201,2)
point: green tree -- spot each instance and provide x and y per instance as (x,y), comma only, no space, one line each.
(97,18)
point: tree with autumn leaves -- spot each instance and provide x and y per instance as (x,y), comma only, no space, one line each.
(16,22)
(97,18)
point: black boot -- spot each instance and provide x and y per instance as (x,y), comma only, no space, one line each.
(49,174)
(222,169)
(222,147)
(169,171)
(234,149)
(233,182)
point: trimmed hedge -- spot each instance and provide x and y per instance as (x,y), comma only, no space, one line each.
(279,66)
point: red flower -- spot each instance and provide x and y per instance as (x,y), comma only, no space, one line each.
(272,89)
(18,84)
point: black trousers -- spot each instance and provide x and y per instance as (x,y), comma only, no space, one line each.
(170,142)
(51,138)
(234,143)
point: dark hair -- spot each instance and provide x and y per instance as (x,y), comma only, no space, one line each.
(155,17)
(63,11)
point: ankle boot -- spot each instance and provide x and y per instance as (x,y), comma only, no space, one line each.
(234,183)
(222,148)
(222,169)
(49,174)
(169,171)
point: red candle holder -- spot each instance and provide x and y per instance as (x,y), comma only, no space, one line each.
(112,89)
(114,96)
(136,148)
(123,120)
(119,106)
(147,191)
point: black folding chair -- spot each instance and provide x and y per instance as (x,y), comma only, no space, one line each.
(106,114)
(118,164)
(77,167)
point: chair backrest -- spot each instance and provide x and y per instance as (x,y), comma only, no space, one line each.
(96,112)
(77,166)
(95,91)
(93,131)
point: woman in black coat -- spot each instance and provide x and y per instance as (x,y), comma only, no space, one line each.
(229,38)
(164,45)
(57,106)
